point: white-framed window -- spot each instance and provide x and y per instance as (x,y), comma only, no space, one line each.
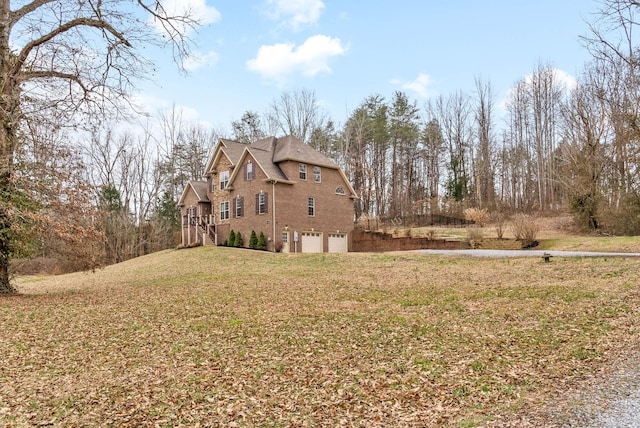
(224,210)
(239,206)
(261,203)
(224,180)
(250,172)
(303,171)
(316,174)
(191,215)
(340,191)
(311,206)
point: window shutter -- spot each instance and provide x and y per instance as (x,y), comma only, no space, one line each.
(233,208)
(257,203)
(241,203)
(266,203)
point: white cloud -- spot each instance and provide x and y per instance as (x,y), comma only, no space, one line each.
(197,60)
(561,79)
(296,13)
(565,79)
(148,104)
(420,85)
(195,9)
(277,62)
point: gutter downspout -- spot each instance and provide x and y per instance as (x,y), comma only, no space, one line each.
(273,214)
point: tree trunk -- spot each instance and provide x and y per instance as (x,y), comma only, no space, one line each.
(5,229)
(9,120)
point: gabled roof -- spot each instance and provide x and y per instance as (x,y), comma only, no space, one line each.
(264,162)
(268,153)
(199,188)
(229,148)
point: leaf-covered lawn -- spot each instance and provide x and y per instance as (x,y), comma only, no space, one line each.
(223,337)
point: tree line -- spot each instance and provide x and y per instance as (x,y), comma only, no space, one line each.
(76,187)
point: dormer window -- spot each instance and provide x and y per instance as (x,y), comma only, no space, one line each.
(303,171)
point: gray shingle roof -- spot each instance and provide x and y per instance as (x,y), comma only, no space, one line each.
(233,150)
(291,149)
(200,187)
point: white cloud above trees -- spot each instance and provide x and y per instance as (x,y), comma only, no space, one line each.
(280,61)
(295,13)
(420,85)
(197,60)
(197,10)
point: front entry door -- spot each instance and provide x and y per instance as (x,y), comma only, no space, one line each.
(285,241)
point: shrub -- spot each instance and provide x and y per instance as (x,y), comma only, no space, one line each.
(478,216)
(238,242)
(262,242)
(475,233)
(232,238)
(499,219)
(525,229)
(253,240)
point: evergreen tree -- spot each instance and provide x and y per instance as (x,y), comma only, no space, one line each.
(238,241)
(262,242)
(253,240)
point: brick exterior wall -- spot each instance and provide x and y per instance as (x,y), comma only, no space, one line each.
(334,213)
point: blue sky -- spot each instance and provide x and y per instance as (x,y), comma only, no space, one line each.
(249,52)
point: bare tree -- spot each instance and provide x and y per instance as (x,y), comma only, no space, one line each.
(248,128)
(51,175)
(296,113)
(617,68)
(610,37)
(59,58)
(453,114)
(484,171)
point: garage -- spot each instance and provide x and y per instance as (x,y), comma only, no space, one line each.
(312,242)
(338,243)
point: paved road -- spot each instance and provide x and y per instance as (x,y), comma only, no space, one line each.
(526,253)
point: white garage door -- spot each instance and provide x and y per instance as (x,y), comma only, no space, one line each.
(337,243)
(312,242)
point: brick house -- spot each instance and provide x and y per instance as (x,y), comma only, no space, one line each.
(298,198)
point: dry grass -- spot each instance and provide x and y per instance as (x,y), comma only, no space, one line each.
(224,337)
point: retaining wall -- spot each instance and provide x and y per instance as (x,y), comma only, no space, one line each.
(363,241)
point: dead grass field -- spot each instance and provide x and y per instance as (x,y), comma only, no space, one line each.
(226,337)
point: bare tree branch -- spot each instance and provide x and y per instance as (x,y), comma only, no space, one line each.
(26,9)
(84,22)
